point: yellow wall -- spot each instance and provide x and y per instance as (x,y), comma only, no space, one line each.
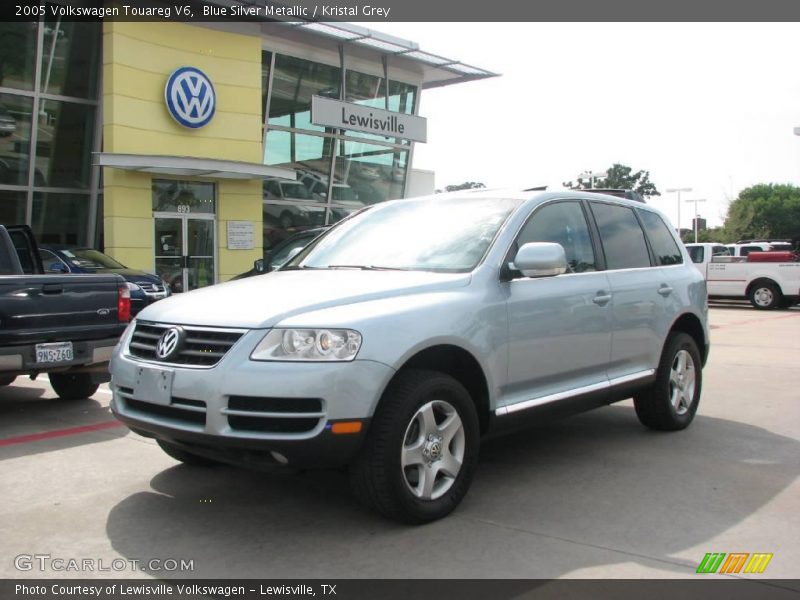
(137,60)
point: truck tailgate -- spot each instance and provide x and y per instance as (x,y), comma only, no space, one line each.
(45,308)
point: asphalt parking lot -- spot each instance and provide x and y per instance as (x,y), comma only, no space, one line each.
(594,496)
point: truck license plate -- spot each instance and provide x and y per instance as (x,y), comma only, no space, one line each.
(56,352)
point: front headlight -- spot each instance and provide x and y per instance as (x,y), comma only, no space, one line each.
(309,345)
(132,286)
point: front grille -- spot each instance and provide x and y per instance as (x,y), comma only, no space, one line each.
(151,288)
(203,347)
(195,415)
(274,415)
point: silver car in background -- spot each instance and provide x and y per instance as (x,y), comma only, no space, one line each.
(408,332)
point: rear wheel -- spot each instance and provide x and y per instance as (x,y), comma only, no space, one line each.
(73,386)
(185,457)
(671,402)
(765,295)
(421,450)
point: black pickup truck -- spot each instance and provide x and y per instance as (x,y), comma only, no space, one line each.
(62,325)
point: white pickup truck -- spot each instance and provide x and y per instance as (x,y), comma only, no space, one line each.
(766,284)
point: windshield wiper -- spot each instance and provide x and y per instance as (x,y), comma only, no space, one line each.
(368,267)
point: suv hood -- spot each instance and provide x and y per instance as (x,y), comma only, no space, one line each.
(263,301)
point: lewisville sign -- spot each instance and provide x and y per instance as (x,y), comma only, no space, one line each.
(355,117)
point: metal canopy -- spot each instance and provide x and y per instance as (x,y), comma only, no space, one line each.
(188,166)
(441,71)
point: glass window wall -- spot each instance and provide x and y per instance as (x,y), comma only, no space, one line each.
(17,55)
(15,139)
(60,218)
(293,83)
(69,59)
(64,143)
(64,100)
(366,169)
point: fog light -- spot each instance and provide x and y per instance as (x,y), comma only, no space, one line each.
(279,457)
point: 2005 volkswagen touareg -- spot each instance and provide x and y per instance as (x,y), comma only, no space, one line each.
(398,339)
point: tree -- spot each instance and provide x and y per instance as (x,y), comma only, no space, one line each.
(619,177)
(766,210)
(467,185)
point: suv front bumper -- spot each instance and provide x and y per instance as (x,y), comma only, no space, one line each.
(246,411)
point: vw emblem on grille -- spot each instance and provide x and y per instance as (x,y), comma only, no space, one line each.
(190,97)
(170,342)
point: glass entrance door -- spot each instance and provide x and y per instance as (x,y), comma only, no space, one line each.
(184,233)
(185,251)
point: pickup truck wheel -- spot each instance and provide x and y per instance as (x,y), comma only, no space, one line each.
(185,457)
(671,402)
(765,296)
(7,380)
(421,450)
(73,386)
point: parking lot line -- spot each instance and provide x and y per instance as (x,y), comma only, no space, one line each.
(35,437)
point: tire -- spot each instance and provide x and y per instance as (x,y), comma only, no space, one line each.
(7,380)
(765,295)
(429,421)
(73,386)
(668,405)
(185,457)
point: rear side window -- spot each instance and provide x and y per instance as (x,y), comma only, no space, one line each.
(621,235)
(696,253)
(661,241)
(562,223)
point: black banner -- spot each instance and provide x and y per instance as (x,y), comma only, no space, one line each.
(378,11)
(387,589)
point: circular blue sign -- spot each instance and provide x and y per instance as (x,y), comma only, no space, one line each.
(190,97)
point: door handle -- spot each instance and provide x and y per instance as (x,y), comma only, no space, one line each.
(665,290)
(601,299)
(52,288)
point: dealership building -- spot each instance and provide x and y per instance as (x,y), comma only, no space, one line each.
(188,149)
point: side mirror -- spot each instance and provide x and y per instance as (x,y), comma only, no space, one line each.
(541,259)
(57,267)
(258,265)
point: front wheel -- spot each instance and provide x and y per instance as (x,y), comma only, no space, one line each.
(671,402)
(765,296)
(73,386)
(421,450)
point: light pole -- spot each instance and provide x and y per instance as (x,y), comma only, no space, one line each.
(695,200)
(592,175)
(678,190)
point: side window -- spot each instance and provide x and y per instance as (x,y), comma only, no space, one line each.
(696,253)
(563,223)
(664,245)
(621,235)
(720,251)
(745,250)
(24,253)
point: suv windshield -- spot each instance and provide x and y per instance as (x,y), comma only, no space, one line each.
(86,258)
(448,234)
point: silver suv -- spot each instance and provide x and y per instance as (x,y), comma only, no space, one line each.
(408,332)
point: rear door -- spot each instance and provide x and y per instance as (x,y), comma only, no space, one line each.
(639,292)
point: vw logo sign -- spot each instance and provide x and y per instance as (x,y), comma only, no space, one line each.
(190,97)
(169,342)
